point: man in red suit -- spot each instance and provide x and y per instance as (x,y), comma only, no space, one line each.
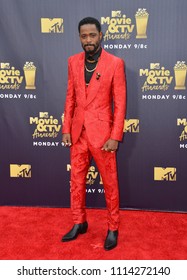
(93,125)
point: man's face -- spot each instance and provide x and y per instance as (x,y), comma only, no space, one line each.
(90,38)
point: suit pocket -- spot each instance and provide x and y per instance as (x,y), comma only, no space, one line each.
(105,117)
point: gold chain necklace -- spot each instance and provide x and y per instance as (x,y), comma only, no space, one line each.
(88,70)
(91,61)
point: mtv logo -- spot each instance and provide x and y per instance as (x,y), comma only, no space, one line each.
(154,66)
(52,25)
(116,13)
(5,65)
(182,122)
(165,174)
(44,115)
(131,125)
(23,170)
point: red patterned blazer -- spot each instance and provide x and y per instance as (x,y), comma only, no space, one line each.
(101,106)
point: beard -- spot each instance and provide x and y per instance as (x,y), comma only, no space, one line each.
(95,48)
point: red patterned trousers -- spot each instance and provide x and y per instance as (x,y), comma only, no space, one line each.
(81,154)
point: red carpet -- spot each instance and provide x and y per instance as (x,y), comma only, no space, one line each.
(34,233)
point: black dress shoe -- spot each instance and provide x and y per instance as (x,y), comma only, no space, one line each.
(75,231)
(111,240)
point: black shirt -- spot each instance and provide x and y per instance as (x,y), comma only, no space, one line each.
(90,65)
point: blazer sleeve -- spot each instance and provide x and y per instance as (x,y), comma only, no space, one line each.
(119,99)
(70,101)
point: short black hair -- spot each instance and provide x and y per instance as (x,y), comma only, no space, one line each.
(90,20)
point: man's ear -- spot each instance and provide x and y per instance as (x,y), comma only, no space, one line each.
(101,35)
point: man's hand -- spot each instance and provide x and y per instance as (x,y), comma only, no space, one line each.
(66,139)
(110,145)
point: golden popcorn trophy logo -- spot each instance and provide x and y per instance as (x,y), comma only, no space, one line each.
(52,25)
(23,170)
(46,126)
(165,174)
(141,17)
(30,75)
(183,135)
(180,69)
(131,125)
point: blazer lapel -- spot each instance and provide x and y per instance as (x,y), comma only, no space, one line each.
(95,81)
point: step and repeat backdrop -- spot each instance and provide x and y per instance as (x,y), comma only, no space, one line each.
(37,37)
